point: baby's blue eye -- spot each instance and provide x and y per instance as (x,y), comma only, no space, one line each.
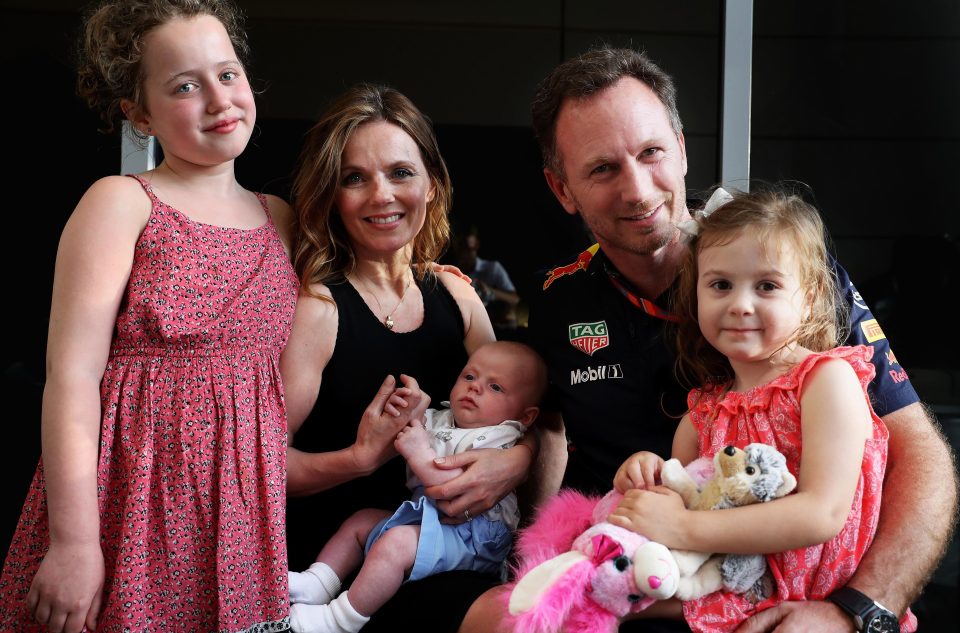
(495,387)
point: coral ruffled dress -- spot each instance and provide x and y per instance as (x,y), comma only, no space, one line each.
(191,472)
(770,414)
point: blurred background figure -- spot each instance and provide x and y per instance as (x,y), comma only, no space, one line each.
(490,279)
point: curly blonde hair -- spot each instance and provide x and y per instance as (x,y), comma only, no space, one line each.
(110,49)
(778,218)
(322,250)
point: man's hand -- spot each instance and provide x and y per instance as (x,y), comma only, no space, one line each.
(453,270)
(920,474)
(800,617)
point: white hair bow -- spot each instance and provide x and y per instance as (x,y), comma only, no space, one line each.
(717,199)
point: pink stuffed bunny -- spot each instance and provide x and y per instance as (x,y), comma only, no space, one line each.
(579,573)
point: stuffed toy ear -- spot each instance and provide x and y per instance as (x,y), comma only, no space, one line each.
(530,589)
(607,504)
(789,483)
(543,598)
(770,460)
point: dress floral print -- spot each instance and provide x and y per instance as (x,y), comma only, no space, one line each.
(191,472)
(770,414)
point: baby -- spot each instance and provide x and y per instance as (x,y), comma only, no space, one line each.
(494,400)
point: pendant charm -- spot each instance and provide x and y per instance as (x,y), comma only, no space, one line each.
(389,321)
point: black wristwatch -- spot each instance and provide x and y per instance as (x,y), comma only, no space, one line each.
(868,615)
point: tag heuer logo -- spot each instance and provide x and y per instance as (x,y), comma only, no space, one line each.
(589,337)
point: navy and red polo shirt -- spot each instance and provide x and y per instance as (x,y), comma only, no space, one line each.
(611,365)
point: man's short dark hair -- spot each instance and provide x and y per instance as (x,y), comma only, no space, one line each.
(588,74)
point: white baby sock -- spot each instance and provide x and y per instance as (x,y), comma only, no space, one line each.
(317,585)
(337,617)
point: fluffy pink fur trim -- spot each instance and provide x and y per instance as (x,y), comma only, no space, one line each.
(568,598)
(560,520)
(592,618)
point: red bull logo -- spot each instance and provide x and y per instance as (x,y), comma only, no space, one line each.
(589,337)
(581,263)
(891,359)
(898,376)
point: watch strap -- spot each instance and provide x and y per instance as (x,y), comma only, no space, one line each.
(851,601)
(859,605)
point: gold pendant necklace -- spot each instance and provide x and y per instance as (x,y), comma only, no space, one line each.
(388,320)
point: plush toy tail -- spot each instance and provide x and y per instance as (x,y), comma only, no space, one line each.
(559,521)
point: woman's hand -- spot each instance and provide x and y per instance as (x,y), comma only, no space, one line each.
(657,513)
(489,474)
(66,592)
(379,427)
(408,401)
(641,470)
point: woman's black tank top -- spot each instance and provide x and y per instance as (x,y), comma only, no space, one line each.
(364,354)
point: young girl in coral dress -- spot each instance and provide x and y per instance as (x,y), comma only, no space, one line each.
(759,323)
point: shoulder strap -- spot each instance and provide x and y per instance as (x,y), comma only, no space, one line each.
(266,205)
(146,186)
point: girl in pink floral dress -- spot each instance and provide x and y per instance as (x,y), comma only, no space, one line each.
(159,501)
(758,327)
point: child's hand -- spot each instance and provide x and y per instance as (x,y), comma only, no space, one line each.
(65,594)
(378,429)
(641,470)
(396,403)
(413,442)
(658,513)
(408,401)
